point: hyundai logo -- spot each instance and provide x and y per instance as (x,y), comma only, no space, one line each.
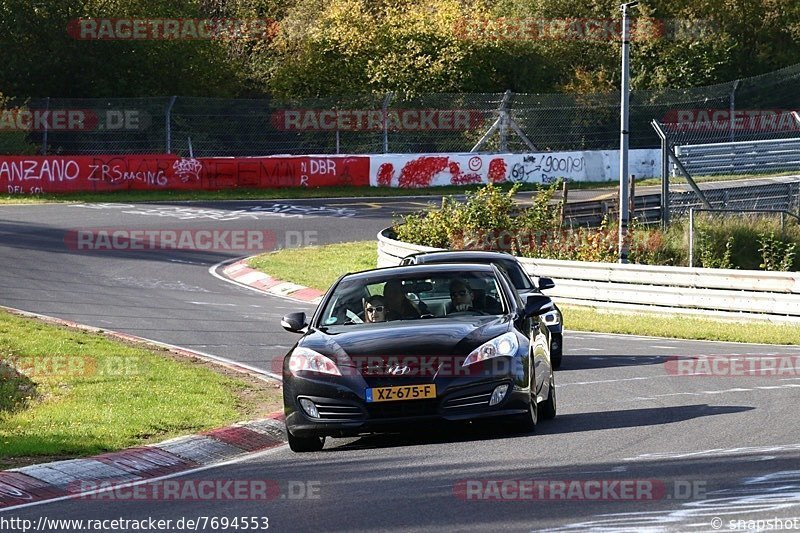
(398,370)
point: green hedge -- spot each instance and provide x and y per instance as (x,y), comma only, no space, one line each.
(491,219)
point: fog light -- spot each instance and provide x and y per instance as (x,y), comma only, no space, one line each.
(309,407)
(498,394)
(555,345)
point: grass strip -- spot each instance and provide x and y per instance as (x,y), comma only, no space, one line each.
(678,327)
(69,393)
(318,267)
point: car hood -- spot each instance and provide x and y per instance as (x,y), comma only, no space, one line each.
(447,336)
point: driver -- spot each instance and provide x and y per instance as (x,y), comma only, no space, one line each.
(461,296)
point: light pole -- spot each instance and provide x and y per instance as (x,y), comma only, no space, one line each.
(624,215)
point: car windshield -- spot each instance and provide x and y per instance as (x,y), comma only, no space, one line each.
(519,279)
(514,272)
(389,298)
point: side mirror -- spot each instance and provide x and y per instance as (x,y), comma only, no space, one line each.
(546,283)
(294,322)
(536,304)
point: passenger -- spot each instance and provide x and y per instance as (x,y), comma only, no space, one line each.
(399,307)
(375,309)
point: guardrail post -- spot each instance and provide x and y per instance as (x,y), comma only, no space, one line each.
(664,174)
(632,197)
(733,108)
(691,236)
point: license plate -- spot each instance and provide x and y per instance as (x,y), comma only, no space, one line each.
(403,392)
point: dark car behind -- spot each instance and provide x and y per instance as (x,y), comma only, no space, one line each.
(522,282)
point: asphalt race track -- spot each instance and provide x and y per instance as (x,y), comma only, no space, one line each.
(634,447)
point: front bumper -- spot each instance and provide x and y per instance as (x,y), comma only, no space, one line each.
(344,412)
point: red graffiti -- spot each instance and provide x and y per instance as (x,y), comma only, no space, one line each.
(466,179)
(497,171)
(455,170)
(385,175)
(420,172)
(60,174)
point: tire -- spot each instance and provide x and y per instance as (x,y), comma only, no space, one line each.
(555,360)
(305,444)
(527,422)
(548,407)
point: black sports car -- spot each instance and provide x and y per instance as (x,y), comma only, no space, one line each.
(523,283)
(465,346)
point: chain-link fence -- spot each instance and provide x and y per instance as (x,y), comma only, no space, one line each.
(383,123)
(739,153)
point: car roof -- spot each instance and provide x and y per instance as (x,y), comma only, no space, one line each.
(465,255)
(417,270)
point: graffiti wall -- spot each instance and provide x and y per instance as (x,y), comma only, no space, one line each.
(403,170)
(40,174)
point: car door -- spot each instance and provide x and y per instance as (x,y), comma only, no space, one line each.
(534,328)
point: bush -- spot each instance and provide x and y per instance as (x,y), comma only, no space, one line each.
(13,141)
(739,241)
(490,219)
(776,254)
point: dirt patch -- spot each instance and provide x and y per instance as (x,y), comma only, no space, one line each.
(16,390)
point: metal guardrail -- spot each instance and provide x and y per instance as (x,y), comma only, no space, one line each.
(776,155)
(721,293)
(776,195)
(646,210)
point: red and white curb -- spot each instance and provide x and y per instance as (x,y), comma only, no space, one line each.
(64,479)
(30,484)
(241,273)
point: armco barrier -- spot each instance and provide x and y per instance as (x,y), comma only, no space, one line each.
(721,293)
(102,173)
(770,155)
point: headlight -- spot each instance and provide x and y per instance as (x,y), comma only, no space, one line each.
(505,345)
(552,318)
(306,359)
